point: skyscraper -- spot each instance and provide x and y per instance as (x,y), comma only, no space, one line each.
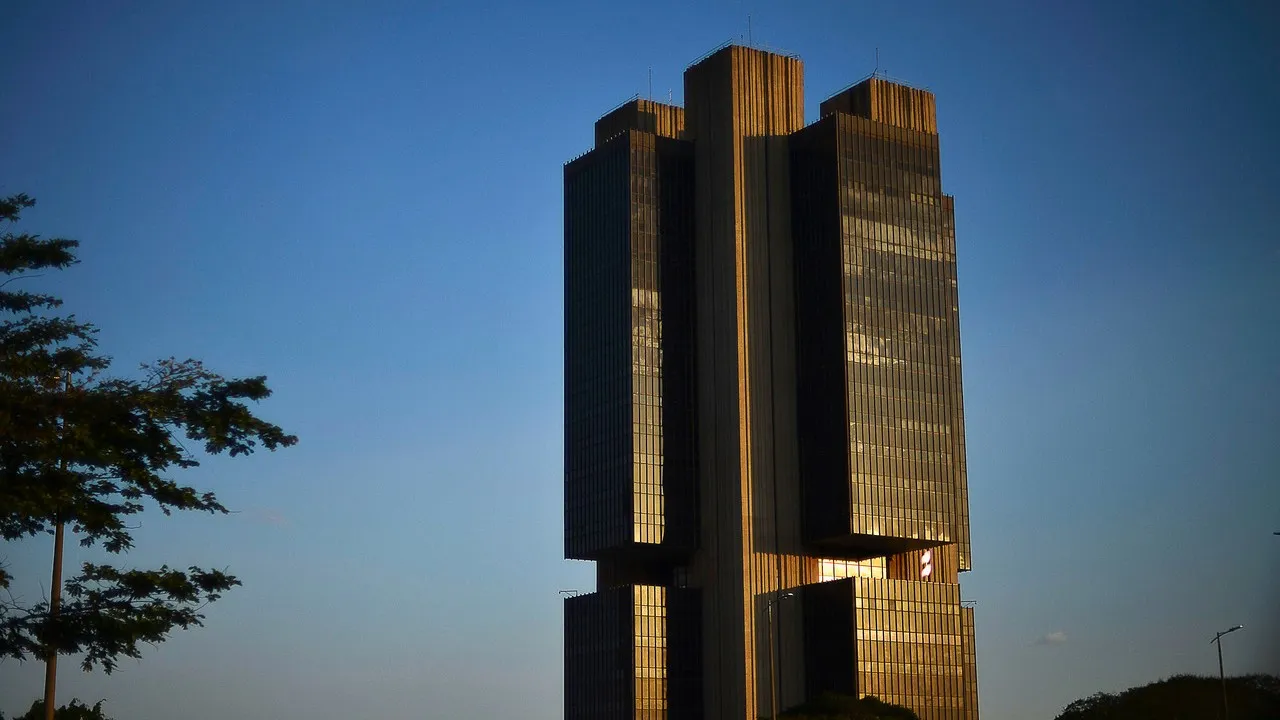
(764,429)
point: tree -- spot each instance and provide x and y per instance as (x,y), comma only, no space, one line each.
(74,710)
(834,706)
(1183,697)
(85,450)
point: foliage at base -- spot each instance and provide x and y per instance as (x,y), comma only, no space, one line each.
(1183,697)
(74,710)
(833,706)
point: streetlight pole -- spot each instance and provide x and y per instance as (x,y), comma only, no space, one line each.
(1222,676)
(773,683)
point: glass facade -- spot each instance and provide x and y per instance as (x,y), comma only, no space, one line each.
(899,640)
(598,680)
(970,658)
(628,407)
(909,646)
(837,308)
(834,569)
(632,652)
(878,340)
(646,346)
(597,378)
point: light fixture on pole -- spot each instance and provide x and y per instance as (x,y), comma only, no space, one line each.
(1221,676)
(773,684)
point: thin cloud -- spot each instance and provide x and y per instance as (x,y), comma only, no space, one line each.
(1053,638)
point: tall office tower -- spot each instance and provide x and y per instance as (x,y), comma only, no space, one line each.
(764,435)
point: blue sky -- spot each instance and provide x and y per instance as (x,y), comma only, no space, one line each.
(363,201)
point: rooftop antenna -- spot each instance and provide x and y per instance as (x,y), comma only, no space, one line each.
(877,68)
(749,30)
(669,103)
(650,82)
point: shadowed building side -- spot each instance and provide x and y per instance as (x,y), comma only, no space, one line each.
(632,652)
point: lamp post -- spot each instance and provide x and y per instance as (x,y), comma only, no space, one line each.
(773,684)
(1221,676)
